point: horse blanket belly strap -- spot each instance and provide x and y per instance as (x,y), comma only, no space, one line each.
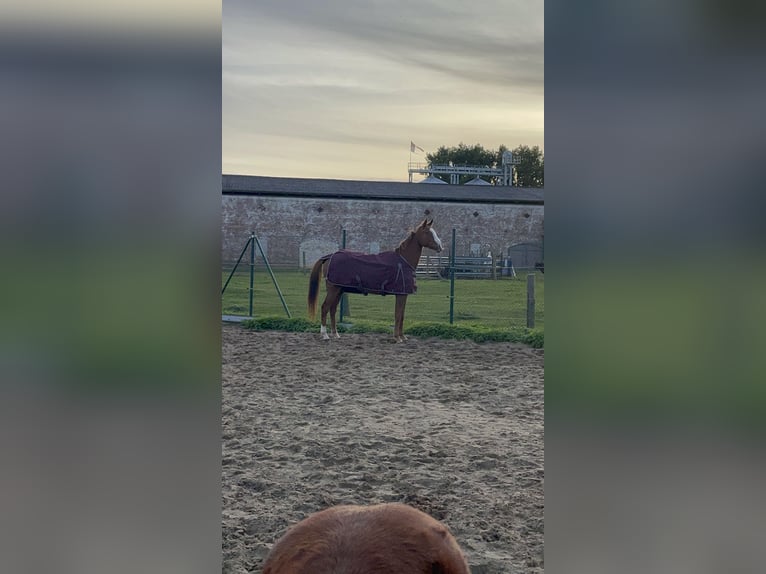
(383,273)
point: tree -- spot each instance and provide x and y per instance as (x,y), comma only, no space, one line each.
(528,173)
(462,154)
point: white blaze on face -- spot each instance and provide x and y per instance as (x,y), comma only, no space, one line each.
(436,238)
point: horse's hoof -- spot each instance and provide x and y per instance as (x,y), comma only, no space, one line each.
(337,336)
(325,337)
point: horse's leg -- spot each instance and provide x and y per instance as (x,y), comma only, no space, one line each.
(325,308)
(401,301)
(333,308)
(329,305)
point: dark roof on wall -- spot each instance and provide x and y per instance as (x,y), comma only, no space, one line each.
(392,191)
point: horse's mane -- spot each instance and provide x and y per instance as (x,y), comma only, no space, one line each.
(404,242)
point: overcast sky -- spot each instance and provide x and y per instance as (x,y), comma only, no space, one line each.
(338,88)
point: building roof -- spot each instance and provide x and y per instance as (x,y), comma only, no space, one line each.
(381,190)
(477,181)
(433,179)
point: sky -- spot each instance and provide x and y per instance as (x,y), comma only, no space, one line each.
(338,89)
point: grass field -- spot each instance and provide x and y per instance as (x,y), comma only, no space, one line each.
(493,303)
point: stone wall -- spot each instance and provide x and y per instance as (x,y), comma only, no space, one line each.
(289,227)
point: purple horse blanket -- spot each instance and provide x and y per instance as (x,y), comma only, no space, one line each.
(384,273)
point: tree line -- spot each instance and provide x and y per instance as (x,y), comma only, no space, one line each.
(529,172)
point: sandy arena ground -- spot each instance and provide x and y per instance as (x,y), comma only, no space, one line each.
(453,428)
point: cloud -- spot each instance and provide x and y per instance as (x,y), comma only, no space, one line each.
(380,73)
(495,42)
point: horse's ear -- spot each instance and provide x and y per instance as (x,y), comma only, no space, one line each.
(430,223)
(424,223)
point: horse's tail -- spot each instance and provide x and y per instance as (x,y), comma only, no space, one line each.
(316,271)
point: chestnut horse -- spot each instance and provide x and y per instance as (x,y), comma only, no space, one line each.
(408,250)
(380,539)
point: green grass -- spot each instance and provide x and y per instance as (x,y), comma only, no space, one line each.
(478,333)
(499,304)
(484,309)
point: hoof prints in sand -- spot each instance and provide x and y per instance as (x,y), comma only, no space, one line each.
(450,427)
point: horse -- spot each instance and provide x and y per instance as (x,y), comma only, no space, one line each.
(380,539)
(390,272)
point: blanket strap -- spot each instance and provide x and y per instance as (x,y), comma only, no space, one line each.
(400,273)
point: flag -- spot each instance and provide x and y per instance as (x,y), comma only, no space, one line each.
(413,147)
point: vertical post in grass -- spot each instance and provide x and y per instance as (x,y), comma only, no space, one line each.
(236,265)
(252,270)
(343,297)
(530,301)
(273,278)
(452,280)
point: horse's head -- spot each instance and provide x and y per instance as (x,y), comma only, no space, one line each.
(426,236)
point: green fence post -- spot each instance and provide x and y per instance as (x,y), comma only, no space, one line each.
(273,278)
(252,270)
(241,255)
(452,280)
(343,300)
